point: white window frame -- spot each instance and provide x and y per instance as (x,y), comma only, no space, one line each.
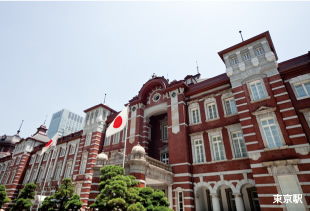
(217,132)
(301,79)
(164,159)
(194,107)
(180,203)
(83,163)
(194,139)
(229,98)
(164,132)
(88,139)
(211,102)
(256,81)
(26,176)
(124,134)
(62,152)
(38,158)
(259,52)
(246,56)
(18,160)
(269,115)
(107,141)
(116,138)
(233,60)
(68,169)
(231,129)
(72,149)
(58,171)
(304,88)
(12,177)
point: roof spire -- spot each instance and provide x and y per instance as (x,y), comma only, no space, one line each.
(197,67)
(45,120)
(104,98)
(20,127)
(241,35)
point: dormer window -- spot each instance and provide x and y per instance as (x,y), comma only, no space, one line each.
(246,56)
(259,51)
(234,60)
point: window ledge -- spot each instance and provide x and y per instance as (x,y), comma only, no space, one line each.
(210,120)
(260,100)
(243,158)
(276,148)
(230,115)
(192,124)
(301,98)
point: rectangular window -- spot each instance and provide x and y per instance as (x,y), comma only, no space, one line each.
(259,51)
(68,170)
(303,90)
(230,106)
(234,61)
(246,56)
(33,175)
(50,174)
(116,138)
(38,158)
(57,173)
(257,90)
(62,152)
(218,148)
(54,153)
(124,133)
(13,161)
(5,178)
(195,115)
(164,157)
(239,145)
(12,177)
(164,132)
(107,141)
(199,152)
(40,177)
(212,111)
(271,133)
(45,156)
(88,139)
(26,177)
(72,149)
(83,164)
(180,201)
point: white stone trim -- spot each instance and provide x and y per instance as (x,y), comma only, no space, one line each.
(240,98)
(298,135)
(283,93)
(243,119)
(272,82)
(183,175)
(242,104)
(249,134)
(223,173)
(250,143)
(180,164)
(290,117)
(284,101)
(247,126)
(287,109)
(278,87)
(242,91)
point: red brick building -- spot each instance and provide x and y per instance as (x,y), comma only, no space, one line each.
(230,142)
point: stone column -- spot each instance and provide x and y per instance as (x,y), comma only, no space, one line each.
(215,202)
(239,202)
(170,196)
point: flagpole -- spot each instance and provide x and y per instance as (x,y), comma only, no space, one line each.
(125,139)
(49,164)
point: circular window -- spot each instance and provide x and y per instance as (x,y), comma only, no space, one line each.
(156,97)
(133,108)
(174,94)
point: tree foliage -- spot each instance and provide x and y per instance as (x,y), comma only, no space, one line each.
(74,203)
(62,198)
(3,196)
(23,201)
(119,192)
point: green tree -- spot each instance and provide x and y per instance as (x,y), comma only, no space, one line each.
(3,196)
(47,204)
(119,192)
(74,203)
(153,200)
(23,201)
(60,198)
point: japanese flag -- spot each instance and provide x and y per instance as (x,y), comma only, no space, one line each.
(118,123)
(49,144)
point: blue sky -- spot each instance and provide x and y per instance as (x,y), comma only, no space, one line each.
(56,55)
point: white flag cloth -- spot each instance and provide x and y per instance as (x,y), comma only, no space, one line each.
(49,144)
(118,123)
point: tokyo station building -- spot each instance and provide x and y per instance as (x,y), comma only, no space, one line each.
(230,142)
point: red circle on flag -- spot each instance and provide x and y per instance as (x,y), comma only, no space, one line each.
(118,122)
(49,143)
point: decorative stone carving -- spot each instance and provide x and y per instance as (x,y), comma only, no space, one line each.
(241,66)
(255,61)
(229,71)
(270,56)
(254,155)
